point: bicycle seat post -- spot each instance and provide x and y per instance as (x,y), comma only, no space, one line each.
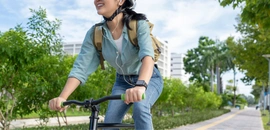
(94,116)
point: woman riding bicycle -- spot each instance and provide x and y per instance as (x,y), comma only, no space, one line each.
(136,73)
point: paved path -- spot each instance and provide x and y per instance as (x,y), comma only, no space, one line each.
(247,119)
(52,122)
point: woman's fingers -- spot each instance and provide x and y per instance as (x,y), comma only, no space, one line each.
(134,94)
(55,104)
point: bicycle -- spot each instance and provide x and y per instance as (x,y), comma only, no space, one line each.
(94,106)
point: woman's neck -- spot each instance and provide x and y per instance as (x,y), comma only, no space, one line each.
(116,24)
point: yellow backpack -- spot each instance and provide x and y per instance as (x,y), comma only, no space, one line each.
(132,34)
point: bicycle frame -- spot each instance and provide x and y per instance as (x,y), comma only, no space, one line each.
(94,106)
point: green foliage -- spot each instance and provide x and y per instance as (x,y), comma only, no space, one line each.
(248,53)
(182,98)
(250,100)
(265,119)
(201,62)
(225,100)
(186,118)
(43,32)
(242,99)
(172,95)
(253,12)
(194,63)
(229,97)
(31,67)
(254,25)
(99,84)
(256,91)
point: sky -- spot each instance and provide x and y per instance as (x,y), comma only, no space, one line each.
(180,22)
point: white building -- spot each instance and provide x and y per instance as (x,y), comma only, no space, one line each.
(164,62)
(177,67)
(73,48)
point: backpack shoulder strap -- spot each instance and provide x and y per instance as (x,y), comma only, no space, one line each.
(97,39)
(132,34)
(151,26)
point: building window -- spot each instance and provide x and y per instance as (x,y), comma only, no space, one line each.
(68,46)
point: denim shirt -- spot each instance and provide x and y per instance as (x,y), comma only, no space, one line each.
(128,62)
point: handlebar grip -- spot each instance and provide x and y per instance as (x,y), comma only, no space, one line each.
(123,96)
(64,104)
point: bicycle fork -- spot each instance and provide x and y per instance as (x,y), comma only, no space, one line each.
(94,117)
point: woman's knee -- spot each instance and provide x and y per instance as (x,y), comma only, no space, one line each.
(141,111)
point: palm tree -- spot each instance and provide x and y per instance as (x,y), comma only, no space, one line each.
(220,64)
(207,60)
(215,54)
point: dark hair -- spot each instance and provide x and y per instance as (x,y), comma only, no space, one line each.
(129,14)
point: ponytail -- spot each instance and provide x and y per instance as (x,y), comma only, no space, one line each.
(129,14)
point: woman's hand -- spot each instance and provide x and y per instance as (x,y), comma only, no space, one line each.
(134,94)
(55,104)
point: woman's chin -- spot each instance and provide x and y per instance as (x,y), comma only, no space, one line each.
(100,12)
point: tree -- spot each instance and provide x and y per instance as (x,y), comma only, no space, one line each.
(221,64)
(201,61)
(250,100)
(248,51)
(198,62)
(254,25)
(257,90)
(253,12)
(230,59)
(208,58)
(31,67)
(231,89)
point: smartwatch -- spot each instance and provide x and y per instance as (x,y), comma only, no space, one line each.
(141,83)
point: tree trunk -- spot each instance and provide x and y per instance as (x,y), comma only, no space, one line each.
(234,97)
(221,85)
(218,80)
(234,89)
(212,78)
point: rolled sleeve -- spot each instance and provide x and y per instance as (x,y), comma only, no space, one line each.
(144,40)
(87,60)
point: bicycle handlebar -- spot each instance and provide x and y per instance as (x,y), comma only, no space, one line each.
(95,102)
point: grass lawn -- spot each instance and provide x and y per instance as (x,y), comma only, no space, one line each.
(265,119)
(68,113)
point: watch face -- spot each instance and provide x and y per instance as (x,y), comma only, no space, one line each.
(140,82)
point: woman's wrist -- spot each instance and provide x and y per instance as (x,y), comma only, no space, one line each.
(145,88)
(141,83)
